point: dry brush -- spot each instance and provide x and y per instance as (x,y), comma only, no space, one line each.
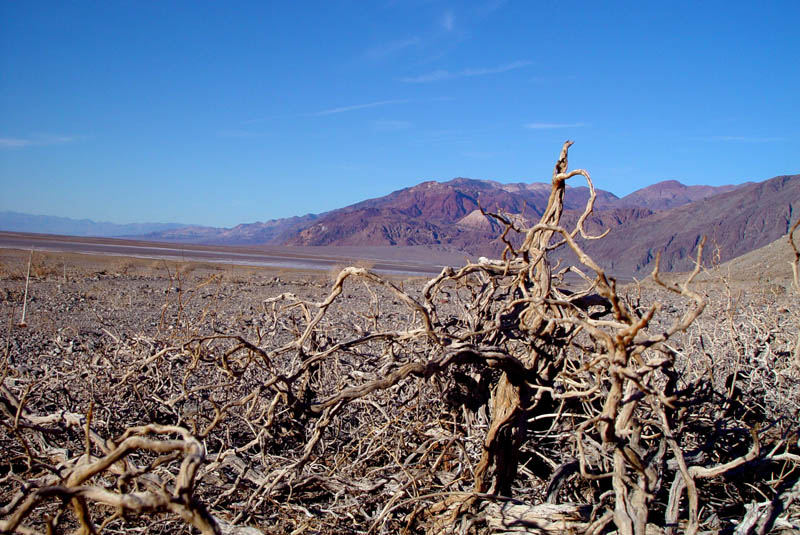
(510,395)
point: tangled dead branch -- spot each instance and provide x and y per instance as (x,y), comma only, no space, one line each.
(504,396)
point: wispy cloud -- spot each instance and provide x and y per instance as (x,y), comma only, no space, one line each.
(33,141)
(549,79)
(448,21)
(495,70)
(434,76)
(488,7)
(443,74)
(553,126)
(481,155)
(261,119)
(237,134)
(391,126)
(14,142)
(392,47)
(354,107)
(742,139)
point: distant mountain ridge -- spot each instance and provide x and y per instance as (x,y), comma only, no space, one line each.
(44,224)
(447,212)
(418,214)
(274,231)
(429,213)
(734,223)
(667,217)
(671,194)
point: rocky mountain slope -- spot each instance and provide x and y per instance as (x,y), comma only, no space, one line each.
(447,212)
(734,222)
(770,266)
(434,213)
(667,217)
(671,194)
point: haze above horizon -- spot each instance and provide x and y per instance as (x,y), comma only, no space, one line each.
(219,114)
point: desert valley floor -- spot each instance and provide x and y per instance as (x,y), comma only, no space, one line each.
(119,342)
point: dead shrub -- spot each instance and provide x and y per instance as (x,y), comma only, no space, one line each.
(491,400)
(44,267)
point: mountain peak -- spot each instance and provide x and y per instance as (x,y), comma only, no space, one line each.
(671,183)
(670,194)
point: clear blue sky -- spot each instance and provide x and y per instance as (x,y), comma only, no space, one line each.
(220,113)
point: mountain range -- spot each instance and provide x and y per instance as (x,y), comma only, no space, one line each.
(734,222)
(44,224)
(668,218)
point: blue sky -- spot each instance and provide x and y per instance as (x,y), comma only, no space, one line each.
(220,113)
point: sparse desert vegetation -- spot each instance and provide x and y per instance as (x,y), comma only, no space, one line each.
(514,395)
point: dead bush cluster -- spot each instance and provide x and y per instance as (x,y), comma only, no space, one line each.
(507,396)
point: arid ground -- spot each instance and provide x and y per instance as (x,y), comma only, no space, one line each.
(409,260)
(124,352)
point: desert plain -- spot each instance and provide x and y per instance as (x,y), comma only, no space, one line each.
(167,376)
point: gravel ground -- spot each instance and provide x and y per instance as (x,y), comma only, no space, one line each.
(83,312)
(97,299)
